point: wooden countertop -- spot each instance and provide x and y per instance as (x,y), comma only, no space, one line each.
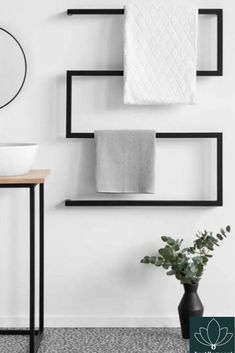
(35,176)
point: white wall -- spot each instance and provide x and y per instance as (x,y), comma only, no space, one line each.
(93,274)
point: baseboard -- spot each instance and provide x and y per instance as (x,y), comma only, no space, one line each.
(93,321)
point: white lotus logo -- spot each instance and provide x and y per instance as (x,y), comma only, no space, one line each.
(213,336)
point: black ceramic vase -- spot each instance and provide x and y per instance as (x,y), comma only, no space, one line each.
(189,306)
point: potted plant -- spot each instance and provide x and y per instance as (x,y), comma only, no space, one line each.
(187,265)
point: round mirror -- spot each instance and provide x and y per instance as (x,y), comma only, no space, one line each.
(13,67)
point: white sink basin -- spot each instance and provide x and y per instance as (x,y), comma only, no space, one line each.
(17,158)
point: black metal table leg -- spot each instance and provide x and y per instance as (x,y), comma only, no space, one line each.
(32,270)
(41,257)
(35,335)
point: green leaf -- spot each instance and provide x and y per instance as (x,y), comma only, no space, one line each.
(210,247)
(170,241)
(193,268)
(200,267)
(214,240)
(189,274)
(196,259)
(179,276)
(162,252)
(170,273)
(165,253)
(176,247)
(164,238)
(145,260)
(228,229)
(159,261)
(219,236)
(223,233)
(204,260)
(152,259)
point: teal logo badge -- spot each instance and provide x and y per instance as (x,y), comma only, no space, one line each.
(212,335)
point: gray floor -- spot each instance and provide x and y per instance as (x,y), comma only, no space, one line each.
(101,340)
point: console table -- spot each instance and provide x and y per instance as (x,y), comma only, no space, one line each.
(30,181)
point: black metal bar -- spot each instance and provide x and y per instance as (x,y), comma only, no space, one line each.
(16,332)
(211,73)
(82,135)
(41,257)
(121,72)
(220,43)
(218,202)
(219,70)
(122,11)
(68,103)
(37,342)
(220,169)
(142,203)
(70,134)
(95,12)
(217,12)
(2,186)
(95,72)
(158,135)
(70,74)
(32,271)
(209,11)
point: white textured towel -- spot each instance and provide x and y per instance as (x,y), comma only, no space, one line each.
(125,161)
(160,53)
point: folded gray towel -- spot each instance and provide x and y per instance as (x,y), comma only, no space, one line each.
(125,161)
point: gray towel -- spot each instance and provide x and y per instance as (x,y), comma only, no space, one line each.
(125,161)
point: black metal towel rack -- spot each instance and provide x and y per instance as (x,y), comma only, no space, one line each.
(218,202)
(217,136)
(217,12)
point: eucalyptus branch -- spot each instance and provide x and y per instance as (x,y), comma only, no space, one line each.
(187,264)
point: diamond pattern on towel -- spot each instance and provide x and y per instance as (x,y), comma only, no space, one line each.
(160,54)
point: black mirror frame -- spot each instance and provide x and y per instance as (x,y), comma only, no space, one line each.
(25,73)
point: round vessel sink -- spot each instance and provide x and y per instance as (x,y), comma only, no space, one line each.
(17,158)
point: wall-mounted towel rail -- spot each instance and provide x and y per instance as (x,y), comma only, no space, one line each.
(217,12)
(188,135)
(122,11)
(70,74)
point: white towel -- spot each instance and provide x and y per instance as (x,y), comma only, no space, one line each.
(160,60)
(125,161)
